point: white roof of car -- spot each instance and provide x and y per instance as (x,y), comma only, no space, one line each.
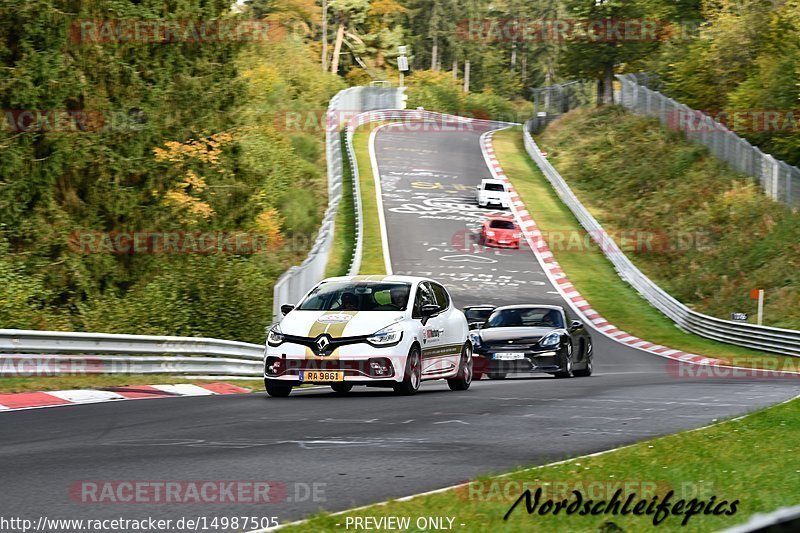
(379,277)
(491,180)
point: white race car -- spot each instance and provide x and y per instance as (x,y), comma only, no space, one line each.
(390,331)
(492,192)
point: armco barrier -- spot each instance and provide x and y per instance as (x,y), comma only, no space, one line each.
(778,340)
(175,355)
(779,180)
(296,281)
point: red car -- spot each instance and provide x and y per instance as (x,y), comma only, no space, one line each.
(500,232)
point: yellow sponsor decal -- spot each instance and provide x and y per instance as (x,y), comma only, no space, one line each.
(441,351)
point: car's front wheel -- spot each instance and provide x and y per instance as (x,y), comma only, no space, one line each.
(276,389)
(566,371)
(412,376)
(463,378)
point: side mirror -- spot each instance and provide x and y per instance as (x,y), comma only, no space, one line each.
(286,309)
(575,325)
(427,311)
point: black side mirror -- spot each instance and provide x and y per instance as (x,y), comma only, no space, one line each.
(575,325)
(427,311)
(286,309)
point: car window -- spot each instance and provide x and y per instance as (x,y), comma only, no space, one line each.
(502,224)
(493,187)
(442,298)
(424,296)
(526,317)
(478,315)
(357,296)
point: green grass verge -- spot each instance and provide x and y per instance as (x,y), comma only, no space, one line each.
(595,277)
(372,256)
(28,384)
(710,235)
(343,233)
(750,459)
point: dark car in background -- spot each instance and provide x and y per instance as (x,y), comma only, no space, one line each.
(531,338)
(477,315)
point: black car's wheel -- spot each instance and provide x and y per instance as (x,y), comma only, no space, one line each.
(276,389)
(412,376)
(497,375)
(566,371)
(587,371)
(463,379)
(341,388)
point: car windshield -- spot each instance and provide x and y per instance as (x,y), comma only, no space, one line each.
(530,317)
(493,187)
(478,315)
(502,224)
(357,296)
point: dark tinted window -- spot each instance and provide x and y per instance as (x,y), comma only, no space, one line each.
(493,187)
(526,317)
(424,297)
(477,315)
(442,297)
(502,224)
(357,296)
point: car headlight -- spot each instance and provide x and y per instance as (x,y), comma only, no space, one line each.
(388,335)
(490,234)
(475,339)
(551,339)
(274,336)
(517,235)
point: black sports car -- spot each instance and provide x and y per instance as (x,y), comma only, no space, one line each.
(531,338)
(478,314)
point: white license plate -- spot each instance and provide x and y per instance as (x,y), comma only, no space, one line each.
(510,356)
(503,242)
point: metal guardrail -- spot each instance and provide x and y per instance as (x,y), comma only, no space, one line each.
(779,180)
(21,354)
(778,340)
(18,365)
(298,280)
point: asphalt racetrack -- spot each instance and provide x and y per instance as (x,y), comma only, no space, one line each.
(329,452)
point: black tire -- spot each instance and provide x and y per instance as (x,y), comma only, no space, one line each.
(586,372)
(276,389)
(567,372)
(412,377)
(497,375)
(463,379)
(341,388)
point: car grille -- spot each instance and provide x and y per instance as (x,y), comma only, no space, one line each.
(361,367)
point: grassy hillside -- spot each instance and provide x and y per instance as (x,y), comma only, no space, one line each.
(192,143)
(705,234)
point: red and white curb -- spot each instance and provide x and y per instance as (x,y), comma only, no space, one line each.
(560,281)
(36,400)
